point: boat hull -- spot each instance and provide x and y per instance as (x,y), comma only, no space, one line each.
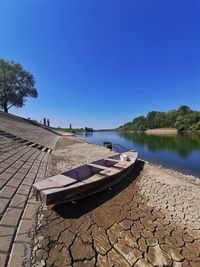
(64,188)
(87,189)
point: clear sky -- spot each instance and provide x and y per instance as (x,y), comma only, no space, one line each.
(100,63)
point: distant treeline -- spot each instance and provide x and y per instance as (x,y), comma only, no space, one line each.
(183,119)
(105,130)
(77,130)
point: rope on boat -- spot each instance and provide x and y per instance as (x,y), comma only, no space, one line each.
(118,145)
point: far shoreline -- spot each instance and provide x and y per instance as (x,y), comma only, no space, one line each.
(162,131)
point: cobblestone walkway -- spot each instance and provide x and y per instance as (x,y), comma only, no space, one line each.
(21,164)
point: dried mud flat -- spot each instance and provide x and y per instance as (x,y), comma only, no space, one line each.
(151,218)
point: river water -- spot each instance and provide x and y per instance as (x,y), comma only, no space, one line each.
(180,152)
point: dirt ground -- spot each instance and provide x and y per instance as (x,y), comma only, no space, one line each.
(151,218)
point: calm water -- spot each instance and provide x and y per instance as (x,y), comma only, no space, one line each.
(179,152)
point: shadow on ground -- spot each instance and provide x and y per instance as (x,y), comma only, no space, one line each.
(69,210)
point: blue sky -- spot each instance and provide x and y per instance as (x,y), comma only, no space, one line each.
(101,63)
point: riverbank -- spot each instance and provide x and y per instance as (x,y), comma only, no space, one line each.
(162,131)
(151,218)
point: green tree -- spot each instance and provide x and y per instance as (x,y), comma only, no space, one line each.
(139,124)
(151,119)
(184,119)
(186,122)
(183,110)
(160,120)
(195,127)
(171,117)
(16,84)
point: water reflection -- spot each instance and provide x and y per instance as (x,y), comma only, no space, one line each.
(88,134)
(182,144)
(180,152)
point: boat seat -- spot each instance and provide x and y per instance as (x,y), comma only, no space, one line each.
(101,167)
(94,178)
(118,161)
(120,165)
(107,172)
(113,160)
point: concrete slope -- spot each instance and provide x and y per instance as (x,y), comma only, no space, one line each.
(14,127)
(25,148)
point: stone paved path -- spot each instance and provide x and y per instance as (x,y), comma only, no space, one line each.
(21,164)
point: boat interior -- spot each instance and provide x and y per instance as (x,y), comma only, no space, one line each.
(85,174)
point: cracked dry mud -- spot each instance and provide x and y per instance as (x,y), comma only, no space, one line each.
(151,218)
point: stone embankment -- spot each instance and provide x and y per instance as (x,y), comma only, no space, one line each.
(151,218)
(25,148)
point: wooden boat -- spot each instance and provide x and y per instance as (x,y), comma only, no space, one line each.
(85,180)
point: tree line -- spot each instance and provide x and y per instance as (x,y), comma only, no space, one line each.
(77,130)
(183,119)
